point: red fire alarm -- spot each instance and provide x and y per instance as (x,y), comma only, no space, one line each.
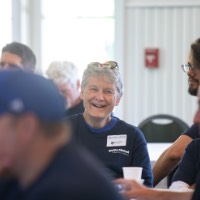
(151,57)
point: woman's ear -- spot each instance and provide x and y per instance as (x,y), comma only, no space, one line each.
(117,101)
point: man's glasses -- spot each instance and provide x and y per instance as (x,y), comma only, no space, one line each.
(187,67)
(110,64)
(4,65)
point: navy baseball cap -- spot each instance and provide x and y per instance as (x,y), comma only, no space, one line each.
(24,92)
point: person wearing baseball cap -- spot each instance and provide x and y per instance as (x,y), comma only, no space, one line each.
(41,161)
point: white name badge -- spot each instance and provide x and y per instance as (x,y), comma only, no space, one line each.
(116,140)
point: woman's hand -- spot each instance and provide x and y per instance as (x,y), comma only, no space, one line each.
(130,188)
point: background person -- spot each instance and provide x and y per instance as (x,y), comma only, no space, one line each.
(189,167)
(132,189)
(173,154)
(41,162)
(114,142)
(17,55)
(65,74)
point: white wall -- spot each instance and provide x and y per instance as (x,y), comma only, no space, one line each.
(26,26)
(170,26)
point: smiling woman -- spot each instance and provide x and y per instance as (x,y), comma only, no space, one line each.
(113,141)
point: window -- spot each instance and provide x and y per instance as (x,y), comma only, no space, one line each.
(78,31)
(5,22)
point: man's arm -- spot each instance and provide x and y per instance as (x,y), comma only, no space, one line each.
(170,158)
(132,189)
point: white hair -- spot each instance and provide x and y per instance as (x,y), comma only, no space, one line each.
(63,72)
(112,74)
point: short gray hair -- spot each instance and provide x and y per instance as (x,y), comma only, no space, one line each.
(63,72)
(111,74)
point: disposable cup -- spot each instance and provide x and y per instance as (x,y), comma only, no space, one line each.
(134,173)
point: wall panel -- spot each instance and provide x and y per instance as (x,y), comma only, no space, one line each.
(163,90)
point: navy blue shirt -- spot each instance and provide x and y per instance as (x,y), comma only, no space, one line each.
(190,164)
(196,195)
(193,131)
(117,145)
(72,175)
(75,110)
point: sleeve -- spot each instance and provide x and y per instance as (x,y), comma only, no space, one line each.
(141,158)
(186,171)
(179,185)
(192,132)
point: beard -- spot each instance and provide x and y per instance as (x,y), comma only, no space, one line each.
(192,91)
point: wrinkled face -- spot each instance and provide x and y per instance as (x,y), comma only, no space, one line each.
(7,143)
(193,77)
(99,98)
(10,61)
(70,92)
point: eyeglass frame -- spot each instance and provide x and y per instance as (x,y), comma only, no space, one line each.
(108,63)
(187,67)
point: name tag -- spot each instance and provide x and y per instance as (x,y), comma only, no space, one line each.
(116,140)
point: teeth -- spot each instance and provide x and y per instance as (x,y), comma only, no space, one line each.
(99,106)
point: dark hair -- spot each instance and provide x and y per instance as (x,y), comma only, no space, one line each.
(195,50)
(24,52)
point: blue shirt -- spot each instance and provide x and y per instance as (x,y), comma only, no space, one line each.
(75,110)
(192,132)
(72,175)
(117,145)
(190,164)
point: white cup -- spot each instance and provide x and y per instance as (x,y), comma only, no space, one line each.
(132,173)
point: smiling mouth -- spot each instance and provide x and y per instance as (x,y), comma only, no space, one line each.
(98,106)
